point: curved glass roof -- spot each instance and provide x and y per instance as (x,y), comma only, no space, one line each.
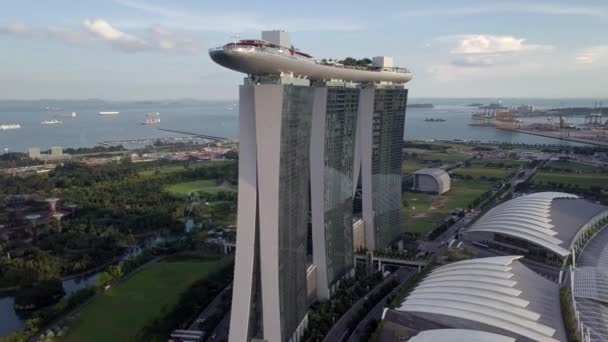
(498,292)
(591,287)
(528,218)
(449,335)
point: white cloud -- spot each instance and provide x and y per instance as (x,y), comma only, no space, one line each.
(485,43)
(68,36)
(484,50)
(16,28)
(155,38)
(593,55)
(240,22)
(167,40)
(511,7)
(102,30)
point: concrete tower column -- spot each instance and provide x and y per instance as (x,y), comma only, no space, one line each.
(58,216)
(33,218)
(52,201)
(364,138)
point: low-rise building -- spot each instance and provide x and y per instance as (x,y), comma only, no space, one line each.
(543,226)
(432,180)
(497,295)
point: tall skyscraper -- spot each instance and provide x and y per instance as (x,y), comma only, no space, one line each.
(299,124)
(381,171)
(331,188)
(270,273)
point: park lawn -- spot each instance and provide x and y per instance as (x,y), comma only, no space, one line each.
(510,164)
(478,172)
(411,166)
(175,168)
(582,180)
(431,210)
(119,313)
(574,166)
(445,157)
(186,188)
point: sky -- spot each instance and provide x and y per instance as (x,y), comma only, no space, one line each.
(158,49)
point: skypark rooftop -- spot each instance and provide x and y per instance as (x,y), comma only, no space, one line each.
(265,58)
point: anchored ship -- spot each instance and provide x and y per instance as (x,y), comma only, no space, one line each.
(263,58)
(9,127)
(152,119)
(73,115)
(109,113)
(51,122)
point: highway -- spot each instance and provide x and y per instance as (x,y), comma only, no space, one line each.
(376,312)
(339,332)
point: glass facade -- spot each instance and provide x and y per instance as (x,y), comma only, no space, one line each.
(387,143)
(340,127)
(294,175)
(523,247)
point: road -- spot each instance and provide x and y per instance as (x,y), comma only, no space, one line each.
(376,312)
(210,309)
(339,332)
(220,333)
(451,232)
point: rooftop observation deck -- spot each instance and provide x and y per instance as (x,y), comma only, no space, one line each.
(261,58)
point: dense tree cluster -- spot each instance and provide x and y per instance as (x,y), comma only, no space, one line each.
(96,149)
(35,266)
(323,315)
(17,159)
(117,205)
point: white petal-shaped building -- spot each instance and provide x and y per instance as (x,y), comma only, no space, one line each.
(542,226)
(450,335)
(590,287)
(496,295)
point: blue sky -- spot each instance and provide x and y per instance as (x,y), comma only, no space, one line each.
(157,49)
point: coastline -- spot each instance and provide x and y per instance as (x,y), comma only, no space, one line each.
(548,135)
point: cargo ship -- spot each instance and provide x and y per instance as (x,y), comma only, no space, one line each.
(51,122)
(109,113)
(73,115)
(152,119)
(9,127)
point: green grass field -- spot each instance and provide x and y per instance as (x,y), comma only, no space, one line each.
(430,210)
(411,166)
(119,313)
(575,167)
(175,168)
(185,188)
(446,157)
(478,172)
(510,164)
(582,180)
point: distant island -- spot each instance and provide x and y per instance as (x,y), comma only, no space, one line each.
(420,105)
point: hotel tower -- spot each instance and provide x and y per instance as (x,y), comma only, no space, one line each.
(309,130)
